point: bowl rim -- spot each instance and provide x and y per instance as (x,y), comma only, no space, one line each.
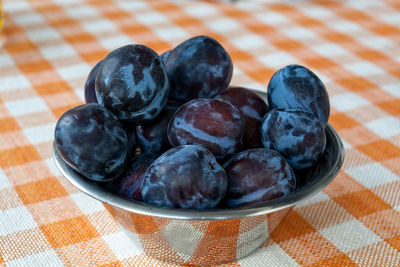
(95,191)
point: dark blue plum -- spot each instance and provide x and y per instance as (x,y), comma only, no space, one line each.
(256,176)
(186,177)
(152,136)
(297,134)
(198,68)
(307,176)
(132,142)
(90,139)
(129,184)
(213,123)
(90,92)
(297,87)
(132,82)
(252,107)
(164,56)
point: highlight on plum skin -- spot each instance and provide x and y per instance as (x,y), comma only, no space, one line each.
(169,130)
(213,123)
(297,87)
(187,177)
(91,140)
(198,68)
(132,83)
(256,176)
(296,134)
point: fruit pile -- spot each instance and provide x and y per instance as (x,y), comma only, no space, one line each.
(169,130)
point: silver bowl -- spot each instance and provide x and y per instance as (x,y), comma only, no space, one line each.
(208,236)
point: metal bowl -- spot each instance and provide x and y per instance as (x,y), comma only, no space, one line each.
(208,236)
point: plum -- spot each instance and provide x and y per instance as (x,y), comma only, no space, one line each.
(213,123)
(164,56)
(186,177)
(256,176)
(297,87)
(90,91)
(91,140)
(132,82)
(129,184)
(152,136)
(198,68)
(253,109)
(297,134)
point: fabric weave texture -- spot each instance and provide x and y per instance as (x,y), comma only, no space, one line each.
(48,48)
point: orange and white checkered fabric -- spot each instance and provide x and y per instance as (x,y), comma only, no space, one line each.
(48,48)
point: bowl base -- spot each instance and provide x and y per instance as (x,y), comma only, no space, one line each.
(197,242)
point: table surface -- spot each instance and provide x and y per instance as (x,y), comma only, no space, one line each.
(48,48)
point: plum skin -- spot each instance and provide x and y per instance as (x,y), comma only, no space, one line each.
(186,177)
(252,107)
(129,184)
(90,139)
(297,134)
(164,56)
(132,83)
(132,142)
(198,68)
(297,87)
(152,136)
(256,176)
(213,123)
(90,91)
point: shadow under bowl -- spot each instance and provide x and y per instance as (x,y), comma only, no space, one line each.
(205,237)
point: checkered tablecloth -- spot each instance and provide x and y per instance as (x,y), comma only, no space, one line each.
(48,48)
